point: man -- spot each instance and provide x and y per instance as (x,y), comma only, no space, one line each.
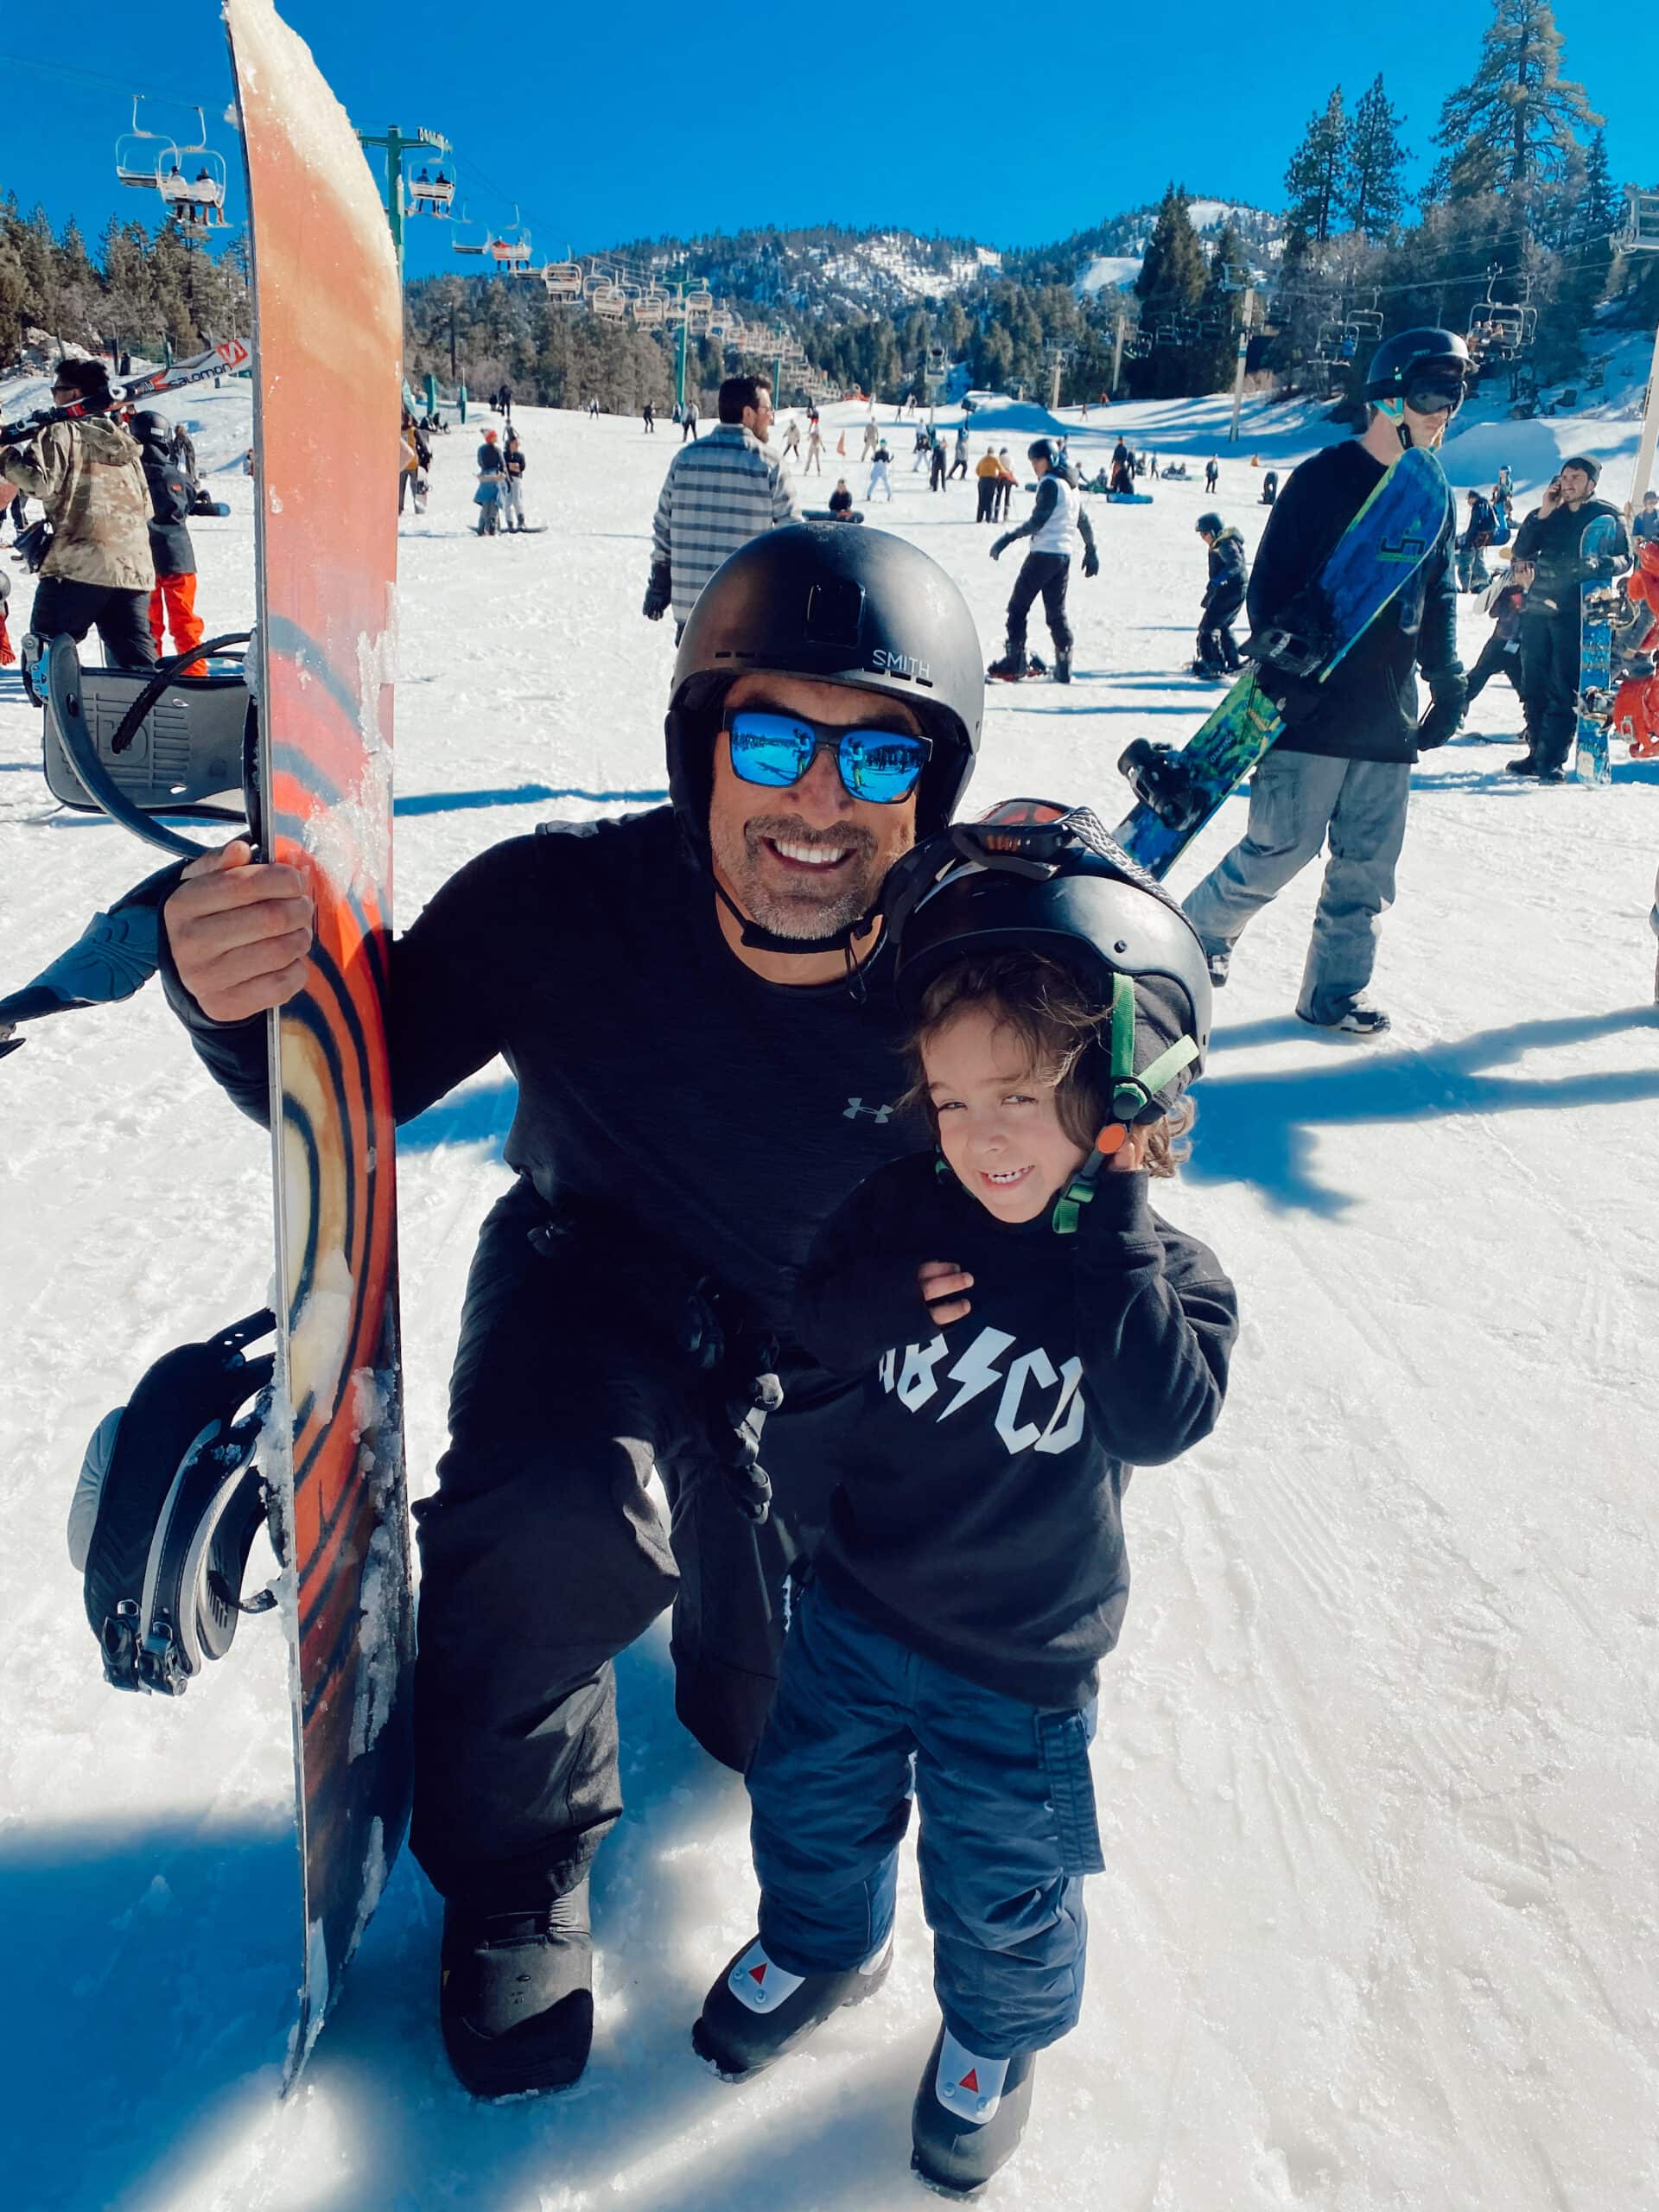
(688,421)
(1054,526)
(1552,539)
(724,491)
(695,1001)
(1645,523)
(87,474)
(1341,768)
(987,475)
(1224,595)
(172,554)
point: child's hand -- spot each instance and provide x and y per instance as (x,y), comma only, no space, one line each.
(942,1283)
(1132,1152)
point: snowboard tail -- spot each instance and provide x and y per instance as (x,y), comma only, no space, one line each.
(1596,609)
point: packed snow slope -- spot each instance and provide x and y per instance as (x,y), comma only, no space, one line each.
(1378,1759)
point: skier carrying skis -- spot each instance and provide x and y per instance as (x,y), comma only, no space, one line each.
(88,474)
(629,1296)
(1552,538)
(1054,526)
(972,1575)
(1342,767)
(1224,595)
(173,597)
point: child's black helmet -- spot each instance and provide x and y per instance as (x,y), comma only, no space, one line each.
(858,607)
(1034,876)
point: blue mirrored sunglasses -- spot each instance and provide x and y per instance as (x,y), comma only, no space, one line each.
(881,766)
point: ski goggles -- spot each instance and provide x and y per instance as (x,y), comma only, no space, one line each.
(774,750)
(1441,395)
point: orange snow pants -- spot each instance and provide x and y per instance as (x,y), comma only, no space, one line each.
(177,595)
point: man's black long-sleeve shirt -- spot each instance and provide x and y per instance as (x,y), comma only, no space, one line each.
(978,1517)
(1367,709)
(659,1077)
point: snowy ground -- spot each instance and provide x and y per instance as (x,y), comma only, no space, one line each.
(1378,1761)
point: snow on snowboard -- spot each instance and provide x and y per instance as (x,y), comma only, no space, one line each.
(1178,790)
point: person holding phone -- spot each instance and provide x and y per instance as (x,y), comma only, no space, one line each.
(1552,539)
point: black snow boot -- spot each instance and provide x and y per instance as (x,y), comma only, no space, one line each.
(756,2011)
(970,2114)
(1012,666)
(1063,667)
(517,1995)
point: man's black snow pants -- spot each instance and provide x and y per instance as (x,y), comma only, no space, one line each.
(65,608)
(1549,684)
(542,1556)
(1049,574)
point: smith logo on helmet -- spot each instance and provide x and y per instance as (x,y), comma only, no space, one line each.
(905,665)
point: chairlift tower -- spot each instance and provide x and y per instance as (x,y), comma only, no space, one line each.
(397,144)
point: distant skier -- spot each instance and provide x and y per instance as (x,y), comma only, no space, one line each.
(1211,474)
(510,495)
(731,487)
(937,465)
(792,440)
(88,474)
(173,597)
(814,451)
(648,414)
(1342,767)
(1006,481)
(987,476)
(1224,595)
(689,421)
(922,447)
(1476,537)
(592,409)
(881,472)
(1551,537)
(184,451)
(959,464)
(1054,526)
(872,439)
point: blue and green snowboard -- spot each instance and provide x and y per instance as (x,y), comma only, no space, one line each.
(1179,789)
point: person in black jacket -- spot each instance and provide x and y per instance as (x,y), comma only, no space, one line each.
(1224,595)
(173,600)
(1552,538)
(1027,1330)
(1341,768)
(718,957)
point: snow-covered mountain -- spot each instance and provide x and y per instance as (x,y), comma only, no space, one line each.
(824,270)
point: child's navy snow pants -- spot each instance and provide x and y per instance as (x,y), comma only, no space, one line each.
(1007,1826)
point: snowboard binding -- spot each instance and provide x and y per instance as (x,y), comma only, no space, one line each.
(1009,669)
(1160,779)
(165,1510)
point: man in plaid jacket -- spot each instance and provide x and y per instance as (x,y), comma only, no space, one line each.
(718,494)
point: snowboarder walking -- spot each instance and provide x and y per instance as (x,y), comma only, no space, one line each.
(726,490)
(1054,526)
(173,598)
(972,1576)
(88,476)
(1552,537)
(717,991)
(1342,767)
(1224,595)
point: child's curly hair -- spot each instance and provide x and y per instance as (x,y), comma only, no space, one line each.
(1062,1033)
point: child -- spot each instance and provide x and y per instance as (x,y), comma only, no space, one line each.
(1029,1330)
(1224,595)
(1504,600)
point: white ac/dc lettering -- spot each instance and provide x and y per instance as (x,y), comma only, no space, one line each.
(915,1384)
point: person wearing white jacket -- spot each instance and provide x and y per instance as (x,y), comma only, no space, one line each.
(1055,526)
(718,494)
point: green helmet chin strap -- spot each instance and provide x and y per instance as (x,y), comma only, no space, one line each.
(1131,1095)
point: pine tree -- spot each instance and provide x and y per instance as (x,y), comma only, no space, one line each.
(1512,128)
(1601,207)
(1210,368)
(1171,284)
(1315,177)
(1373,197)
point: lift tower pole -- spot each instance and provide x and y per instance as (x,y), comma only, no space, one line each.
(396,143)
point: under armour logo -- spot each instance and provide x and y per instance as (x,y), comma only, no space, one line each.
(880,1115)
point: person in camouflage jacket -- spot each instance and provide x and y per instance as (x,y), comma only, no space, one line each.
(88,474)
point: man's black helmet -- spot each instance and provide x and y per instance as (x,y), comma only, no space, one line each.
(151,428)
(857,608)
(1037,877)
(1431,356)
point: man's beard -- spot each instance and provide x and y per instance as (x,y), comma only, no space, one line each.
(812,910)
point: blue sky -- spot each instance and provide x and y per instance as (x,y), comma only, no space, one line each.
(603,128)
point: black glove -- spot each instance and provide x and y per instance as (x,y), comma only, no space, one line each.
(1090,561)
(1449,696)
(659,592)
(999,548)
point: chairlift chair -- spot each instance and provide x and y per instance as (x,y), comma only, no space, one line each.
(1138,347)
(649,309)
(460,244)
(193,184)
(1639,232)
(562,280)
(141,155)
(510,246)
(607,300)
